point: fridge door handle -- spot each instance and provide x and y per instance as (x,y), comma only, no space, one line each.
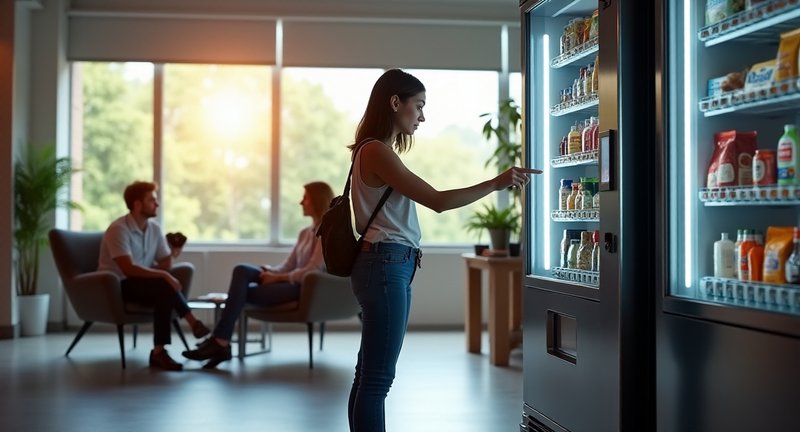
(610,242)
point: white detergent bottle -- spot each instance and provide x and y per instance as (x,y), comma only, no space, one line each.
(788,159)
(723,258)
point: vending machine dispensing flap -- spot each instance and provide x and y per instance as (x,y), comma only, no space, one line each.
(607,144)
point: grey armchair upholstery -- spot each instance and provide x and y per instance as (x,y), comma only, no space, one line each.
(95,295)
(323,297)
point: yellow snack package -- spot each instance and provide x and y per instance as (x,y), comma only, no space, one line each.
(786,61)
(776,251)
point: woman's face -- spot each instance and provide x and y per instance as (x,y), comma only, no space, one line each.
(308,206)
(409,114)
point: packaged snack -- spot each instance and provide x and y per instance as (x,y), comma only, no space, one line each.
(760,76)
(776,251)
(749,4)
(732,161)
(786,62)
(718,10)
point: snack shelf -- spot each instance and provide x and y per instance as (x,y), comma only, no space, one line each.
(770,195)
(762,23)
(586,104)
(591,278)
(761,295)
(780,96)
(579,52)
(587,215)
(575,159)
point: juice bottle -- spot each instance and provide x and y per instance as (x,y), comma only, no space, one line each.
(737,250)
(744,248)
(788,159)
(574,139)
(596,251)
(596,75)
(571,197)
(792,266)
(586,136)
(755,263)
(563,193)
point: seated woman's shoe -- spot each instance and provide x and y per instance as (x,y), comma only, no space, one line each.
(210,350)
(200,330)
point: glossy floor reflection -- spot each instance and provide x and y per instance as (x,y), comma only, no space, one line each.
(439,387)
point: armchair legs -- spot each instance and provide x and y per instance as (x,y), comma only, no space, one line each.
(86,325)
(121,337)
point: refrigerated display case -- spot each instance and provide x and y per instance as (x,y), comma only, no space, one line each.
(728,340)
(584,320)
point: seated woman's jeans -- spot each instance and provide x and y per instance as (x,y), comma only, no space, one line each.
(245,289)
(381,282)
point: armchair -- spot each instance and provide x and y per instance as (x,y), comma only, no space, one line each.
(323,297)
(95,295)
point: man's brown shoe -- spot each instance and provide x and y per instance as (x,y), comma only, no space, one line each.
(162,360)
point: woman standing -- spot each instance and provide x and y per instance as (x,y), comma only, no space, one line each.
(384,269)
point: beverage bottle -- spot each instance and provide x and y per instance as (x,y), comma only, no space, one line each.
(737,250)
(586,135)
(576,90)
(574,140)
(579,196)
(564,249)
(723,258)
(572,254)
(584,261)
(587,80)
(744,248)
(788,159)
(596,75)
(584,79)
(755,262)
(571,197)
(596,251)
(594,126)
(586,197)
(563,193)
(792,267)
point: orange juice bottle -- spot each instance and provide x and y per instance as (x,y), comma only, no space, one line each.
(743,270)
(755,259)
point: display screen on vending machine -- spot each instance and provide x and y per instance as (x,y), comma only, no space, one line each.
(606,138)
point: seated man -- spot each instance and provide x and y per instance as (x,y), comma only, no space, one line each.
(136,250)
(269,285)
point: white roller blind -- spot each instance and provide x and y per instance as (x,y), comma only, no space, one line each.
(420,46)
(177,40)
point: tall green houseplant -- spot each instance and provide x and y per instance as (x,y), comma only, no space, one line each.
(39,188)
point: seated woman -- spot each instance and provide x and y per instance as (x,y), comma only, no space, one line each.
(268,285)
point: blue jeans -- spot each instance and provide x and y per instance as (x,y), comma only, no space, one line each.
(381,282)
(245,288)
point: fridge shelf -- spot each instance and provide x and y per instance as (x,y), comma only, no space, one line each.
(770,195)
(587,215)
(781,96)
(575,159)
(585,104)
(575,54)
(763,23)
(761,295)
(591,278)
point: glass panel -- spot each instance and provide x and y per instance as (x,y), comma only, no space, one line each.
(730,104)
(216,157)
(321,109)
(562,123)
(112,137)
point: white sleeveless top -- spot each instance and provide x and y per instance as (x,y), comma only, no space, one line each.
(396,222)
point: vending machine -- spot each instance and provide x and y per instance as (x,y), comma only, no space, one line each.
(728,316)
(590,231)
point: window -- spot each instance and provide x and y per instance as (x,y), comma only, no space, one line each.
(112,137)
(321,110)
(449,149)
(216,158)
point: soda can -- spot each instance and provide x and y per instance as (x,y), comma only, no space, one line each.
(764,165)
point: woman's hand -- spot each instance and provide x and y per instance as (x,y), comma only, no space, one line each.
(515,177)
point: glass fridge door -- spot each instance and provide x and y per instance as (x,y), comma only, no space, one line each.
(733,101)
(563,129)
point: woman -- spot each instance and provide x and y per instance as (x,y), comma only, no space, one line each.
(384,269)
(269,285)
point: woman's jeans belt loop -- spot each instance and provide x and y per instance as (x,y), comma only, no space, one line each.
(376,247)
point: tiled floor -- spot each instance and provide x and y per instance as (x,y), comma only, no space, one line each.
(439,387)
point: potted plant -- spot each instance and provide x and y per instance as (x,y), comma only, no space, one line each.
(39,182)
(499,222)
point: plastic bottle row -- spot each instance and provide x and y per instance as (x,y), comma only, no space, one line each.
(583,195)
(583,136)
(580,250)
(751,259)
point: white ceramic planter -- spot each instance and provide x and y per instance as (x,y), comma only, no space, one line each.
(33,312)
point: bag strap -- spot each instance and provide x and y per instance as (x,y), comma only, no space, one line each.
(346,192)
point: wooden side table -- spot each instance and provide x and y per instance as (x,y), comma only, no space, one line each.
(505,305)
